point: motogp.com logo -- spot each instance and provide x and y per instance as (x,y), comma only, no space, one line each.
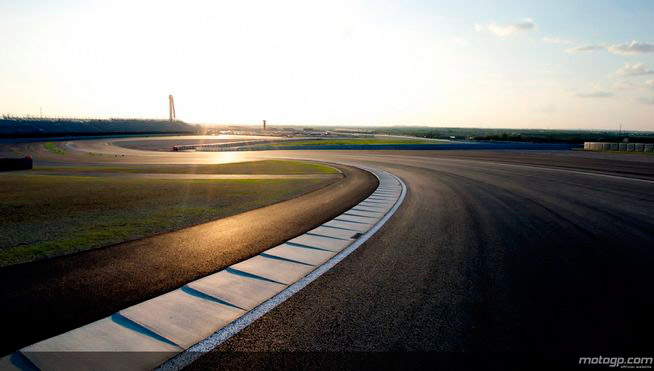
(619,362)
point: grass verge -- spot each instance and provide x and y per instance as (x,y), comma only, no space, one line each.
(268,167)
(45,216)
(54,148)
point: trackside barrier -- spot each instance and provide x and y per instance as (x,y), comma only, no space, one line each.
(9,164)
(453,146)
(623,147)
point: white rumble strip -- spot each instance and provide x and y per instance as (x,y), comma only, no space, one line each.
(172,330)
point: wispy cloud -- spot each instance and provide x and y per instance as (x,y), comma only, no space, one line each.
(505,30)
(625,85)
(634,69)
(596,94)
(647,100)
(585,48)
(632,48)
(631,85)
(556,40)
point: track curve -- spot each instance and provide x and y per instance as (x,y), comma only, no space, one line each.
(513,251)
(484,257)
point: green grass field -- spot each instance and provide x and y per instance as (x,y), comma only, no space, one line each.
(54,148)
(351,141)
(268,167)
(52,215)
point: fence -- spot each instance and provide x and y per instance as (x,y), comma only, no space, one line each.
(622,147)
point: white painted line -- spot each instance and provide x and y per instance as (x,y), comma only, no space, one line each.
(553,169)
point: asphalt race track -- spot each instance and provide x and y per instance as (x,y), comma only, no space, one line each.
(492,252)
(484,258)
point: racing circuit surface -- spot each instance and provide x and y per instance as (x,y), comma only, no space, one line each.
(491,251)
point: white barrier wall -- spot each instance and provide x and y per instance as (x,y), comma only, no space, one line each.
(626,147)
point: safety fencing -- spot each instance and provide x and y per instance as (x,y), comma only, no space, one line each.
(621,147)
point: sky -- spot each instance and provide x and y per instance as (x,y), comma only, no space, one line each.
(524,64)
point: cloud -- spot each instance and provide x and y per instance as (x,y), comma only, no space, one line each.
(632,48)
(630,85)
(634,69)
(556,40)
(629,48)
(505,30)
(625,85)
(647,100)
(585,48)
(595,94)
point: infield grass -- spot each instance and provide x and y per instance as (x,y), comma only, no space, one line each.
(54,148)
(267,167)
(51,215)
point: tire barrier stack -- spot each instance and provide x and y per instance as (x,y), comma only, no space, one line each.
(620,147)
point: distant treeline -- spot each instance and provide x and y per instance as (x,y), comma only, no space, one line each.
(521,135)
(30,127)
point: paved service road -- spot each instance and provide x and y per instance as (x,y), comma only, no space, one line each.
(485,257)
